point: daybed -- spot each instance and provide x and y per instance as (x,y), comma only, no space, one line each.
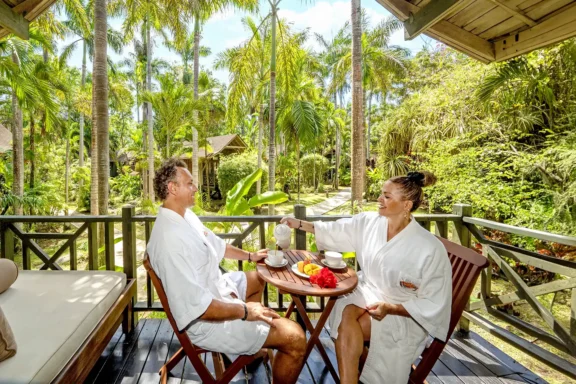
(62,321)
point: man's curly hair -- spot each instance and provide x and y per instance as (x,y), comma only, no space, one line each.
(165,174)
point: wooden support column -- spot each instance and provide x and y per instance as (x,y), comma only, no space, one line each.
(93,246)
(14,22)
(461,233)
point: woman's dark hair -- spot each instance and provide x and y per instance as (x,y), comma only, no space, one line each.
(411,186)
(165,174)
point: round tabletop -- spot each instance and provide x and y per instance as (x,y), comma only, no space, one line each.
(288,282)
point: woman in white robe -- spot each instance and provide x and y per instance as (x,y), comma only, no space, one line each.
(404,288)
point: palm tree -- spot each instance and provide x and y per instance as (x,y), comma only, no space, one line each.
(358,163)
(100,125)
(201,14)
(173,107)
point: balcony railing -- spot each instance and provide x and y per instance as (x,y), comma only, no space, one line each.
(459,226)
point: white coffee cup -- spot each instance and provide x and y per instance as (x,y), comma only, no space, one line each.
(275,257)
(334,259)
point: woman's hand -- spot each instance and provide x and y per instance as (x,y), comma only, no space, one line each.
(257,256)
(378,310)
(291,222)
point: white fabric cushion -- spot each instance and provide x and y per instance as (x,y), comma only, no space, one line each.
(51,314)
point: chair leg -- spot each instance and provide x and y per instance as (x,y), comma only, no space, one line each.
(128,318)
(173,361)
(218,364)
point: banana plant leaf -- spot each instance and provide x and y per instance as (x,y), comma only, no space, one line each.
(275,197)
(237,193)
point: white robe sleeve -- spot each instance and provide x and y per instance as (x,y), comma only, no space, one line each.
(343,235)
(433,303)
(187,299)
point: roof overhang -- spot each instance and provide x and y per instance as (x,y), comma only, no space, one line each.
(488,30)
(16,15)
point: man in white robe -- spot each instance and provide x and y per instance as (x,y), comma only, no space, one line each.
(220,312)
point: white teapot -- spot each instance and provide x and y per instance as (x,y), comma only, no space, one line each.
(283,233)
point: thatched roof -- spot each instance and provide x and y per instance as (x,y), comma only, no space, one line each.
(488,30)
(5,139)
(16,15)
(221,145)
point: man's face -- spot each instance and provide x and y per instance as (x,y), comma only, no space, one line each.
(183,189)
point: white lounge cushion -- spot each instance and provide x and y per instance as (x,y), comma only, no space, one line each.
(51,314)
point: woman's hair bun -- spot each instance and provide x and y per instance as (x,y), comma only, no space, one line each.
(422,178)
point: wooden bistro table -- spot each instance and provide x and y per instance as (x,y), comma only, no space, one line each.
(298,287)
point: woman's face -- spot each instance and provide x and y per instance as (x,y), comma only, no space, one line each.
(391,202)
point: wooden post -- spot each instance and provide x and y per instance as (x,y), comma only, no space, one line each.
(149,286)
(6,242)
(109,250)
(129,261)
(486,277)
(73,256)
(441,228)
(573,313)
(300,214)
(26,261)
(93,246)
(462,235)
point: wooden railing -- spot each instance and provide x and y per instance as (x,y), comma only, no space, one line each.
(459,226)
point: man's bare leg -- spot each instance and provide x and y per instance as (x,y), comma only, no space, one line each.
(289,341)
(353,330)
(254,287)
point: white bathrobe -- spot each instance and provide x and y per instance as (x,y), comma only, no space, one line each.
(412,269)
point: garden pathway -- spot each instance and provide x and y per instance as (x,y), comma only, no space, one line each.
(343,196)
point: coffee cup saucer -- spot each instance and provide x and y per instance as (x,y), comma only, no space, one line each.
(282,264)
(340,266)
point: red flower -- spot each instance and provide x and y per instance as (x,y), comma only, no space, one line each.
(325,278)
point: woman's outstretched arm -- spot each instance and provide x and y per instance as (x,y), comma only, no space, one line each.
(298,224)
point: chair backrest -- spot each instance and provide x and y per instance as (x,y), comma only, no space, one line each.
(466,267)
(191,350)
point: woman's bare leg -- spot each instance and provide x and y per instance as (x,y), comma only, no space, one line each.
(352,331)
(254,287)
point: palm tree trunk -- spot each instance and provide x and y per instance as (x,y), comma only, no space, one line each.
(272,138)
(260,135)
(32,149)
(358,136)
(100,96)
(195,149)
(369,124)
(67,167)
(17,149)
(298,166)
(149,114)
(81,123)
(94,167)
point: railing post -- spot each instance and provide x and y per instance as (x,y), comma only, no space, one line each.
(6,242)
(109,251)
(300,214)
(129,261)
(461,233)
(573,313)
(93,246)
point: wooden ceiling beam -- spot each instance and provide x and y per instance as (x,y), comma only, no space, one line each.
(430,14)
(13,22)
(554,29)
(445,32)
(518,14)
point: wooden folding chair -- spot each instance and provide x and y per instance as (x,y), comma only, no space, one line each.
(466,267)
(223,374)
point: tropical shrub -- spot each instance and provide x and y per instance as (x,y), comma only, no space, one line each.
(234,168)
(125,187)
(313,168)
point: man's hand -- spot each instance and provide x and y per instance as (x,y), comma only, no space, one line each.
(378,310)
(258,312)
(261,254)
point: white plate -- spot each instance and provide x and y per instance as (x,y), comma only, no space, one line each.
(342,265)
(296,271)
(282,264)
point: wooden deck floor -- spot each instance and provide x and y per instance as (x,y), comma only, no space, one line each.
(137,358)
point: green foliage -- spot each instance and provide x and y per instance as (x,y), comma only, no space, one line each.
(234,168)
(286,172)
(374,179)
(236,203)
(82,178)
(313,165)
(125,188)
